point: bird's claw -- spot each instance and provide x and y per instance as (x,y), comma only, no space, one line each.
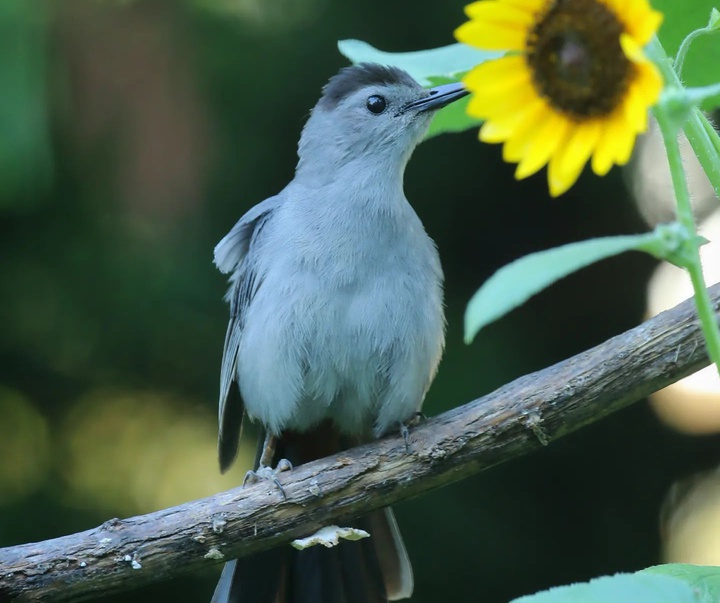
(405,433)
(416,419)
(268,473)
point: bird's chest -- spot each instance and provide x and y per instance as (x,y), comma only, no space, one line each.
(358,328)
(366,295)
(353,253)
(358,288)
(339,314)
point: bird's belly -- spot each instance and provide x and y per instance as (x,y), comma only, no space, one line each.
(359,342)
(359,352)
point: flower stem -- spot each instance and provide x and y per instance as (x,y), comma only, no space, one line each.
(670,127)
(702,136)
(710,131)
(703,93)
(705,310)
(685,46)
(705,142)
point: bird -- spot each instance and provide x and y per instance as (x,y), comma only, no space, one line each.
(336,323)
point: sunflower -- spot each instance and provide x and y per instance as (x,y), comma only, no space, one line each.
(574,86)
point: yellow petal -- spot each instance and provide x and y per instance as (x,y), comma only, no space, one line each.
(501,104)
(636,111)
(491,36)
(623,145)
(470,8)
(645,85)
(632,50)
(640,20)
(499,13)
(494,132)
(567,163)
(637,17)
(646,79)
(500,127)
(612,143)
(497,73)
(551,133)
(525,130)
(644,29)
(649,82)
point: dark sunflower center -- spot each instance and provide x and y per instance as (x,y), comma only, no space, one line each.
(576,60)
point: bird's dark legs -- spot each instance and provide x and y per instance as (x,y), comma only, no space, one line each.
(265,470)
(405,433)
(405,428)
(269,448)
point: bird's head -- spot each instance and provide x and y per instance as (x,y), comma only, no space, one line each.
(370,112)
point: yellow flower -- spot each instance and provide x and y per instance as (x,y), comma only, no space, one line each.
(576,84)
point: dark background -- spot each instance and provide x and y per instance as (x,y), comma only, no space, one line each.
(132,136)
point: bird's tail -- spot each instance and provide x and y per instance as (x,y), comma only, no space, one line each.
(370,570)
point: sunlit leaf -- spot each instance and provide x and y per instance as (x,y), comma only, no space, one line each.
(714,21)
(621,588)
(517,282)
(452,118)
(703,579)
(447,61)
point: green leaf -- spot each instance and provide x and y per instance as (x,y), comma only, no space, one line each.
(670,583)
(454,117)
(702,64)
(703,579)
(714,21)
(447,61)
(674,243)
(517,282)
(620,588)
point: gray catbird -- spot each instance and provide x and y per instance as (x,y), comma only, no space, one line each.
(337,324)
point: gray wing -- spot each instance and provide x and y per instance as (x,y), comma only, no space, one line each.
(235,254)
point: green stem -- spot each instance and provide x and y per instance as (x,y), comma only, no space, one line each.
(710,132)
(701,135)
(700,94)
(705,142)
(705,310)
(682,51)
(670,128)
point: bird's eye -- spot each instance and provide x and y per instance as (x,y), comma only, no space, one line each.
(376,104)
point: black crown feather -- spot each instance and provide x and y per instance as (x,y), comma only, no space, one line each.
(350,79)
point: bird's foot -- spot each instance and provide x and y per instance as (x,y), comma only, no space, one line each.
(405,433)
(265,472)
(416,419)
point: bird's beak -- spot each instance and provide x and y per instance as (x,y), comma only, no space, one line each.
(439,97)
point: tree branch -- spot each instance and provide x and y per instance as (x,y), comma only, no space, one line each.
(516,419)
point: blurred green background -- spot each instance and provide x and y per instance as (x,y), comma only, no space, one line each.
(132,136)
